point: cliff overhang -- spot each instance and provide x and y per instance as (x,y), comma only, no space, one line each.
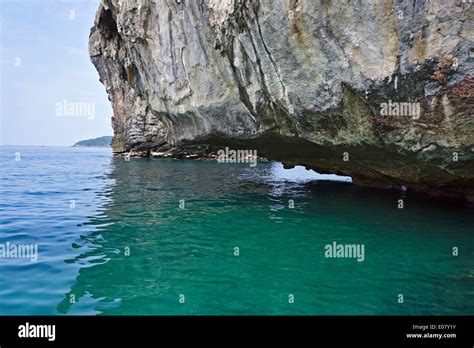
(379,91)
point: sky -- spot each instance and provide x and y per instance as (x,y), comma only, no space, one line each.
(50,92)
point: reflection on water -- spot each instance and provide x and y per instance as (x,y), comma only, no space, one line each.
(141,251)
(46,196)
(126,247)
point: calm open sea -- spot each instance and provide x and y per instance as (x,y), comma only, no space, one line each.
(113,238)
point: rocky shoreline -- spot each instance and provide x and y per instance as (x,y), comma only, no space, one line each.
(175,153)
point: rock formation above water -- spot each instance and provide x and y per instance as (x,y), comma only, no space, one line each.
(302,81)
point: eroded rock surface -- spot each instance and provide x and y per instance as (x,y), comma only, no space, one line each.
(301,81)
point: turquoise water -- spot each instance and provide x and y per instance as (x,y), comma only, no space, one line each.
(84,267)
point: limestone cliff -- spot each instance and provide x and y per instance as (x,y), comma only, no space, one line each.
(302,81)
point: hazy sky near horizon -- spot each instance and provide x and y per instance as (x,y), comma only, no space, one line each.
(50,91)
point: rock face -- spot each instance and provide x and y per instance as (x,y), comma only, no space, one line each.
(382,91)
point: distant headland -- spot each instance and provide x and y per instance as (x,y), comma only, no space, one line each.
(97,142)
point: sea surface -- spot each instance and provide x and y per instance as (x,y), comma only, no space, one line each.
(174,237)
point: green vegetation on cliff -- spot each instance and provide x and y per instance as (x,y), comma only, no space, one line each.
(97,142)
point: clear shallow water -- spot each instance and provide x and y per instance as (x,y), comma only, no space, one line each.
(173,251)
